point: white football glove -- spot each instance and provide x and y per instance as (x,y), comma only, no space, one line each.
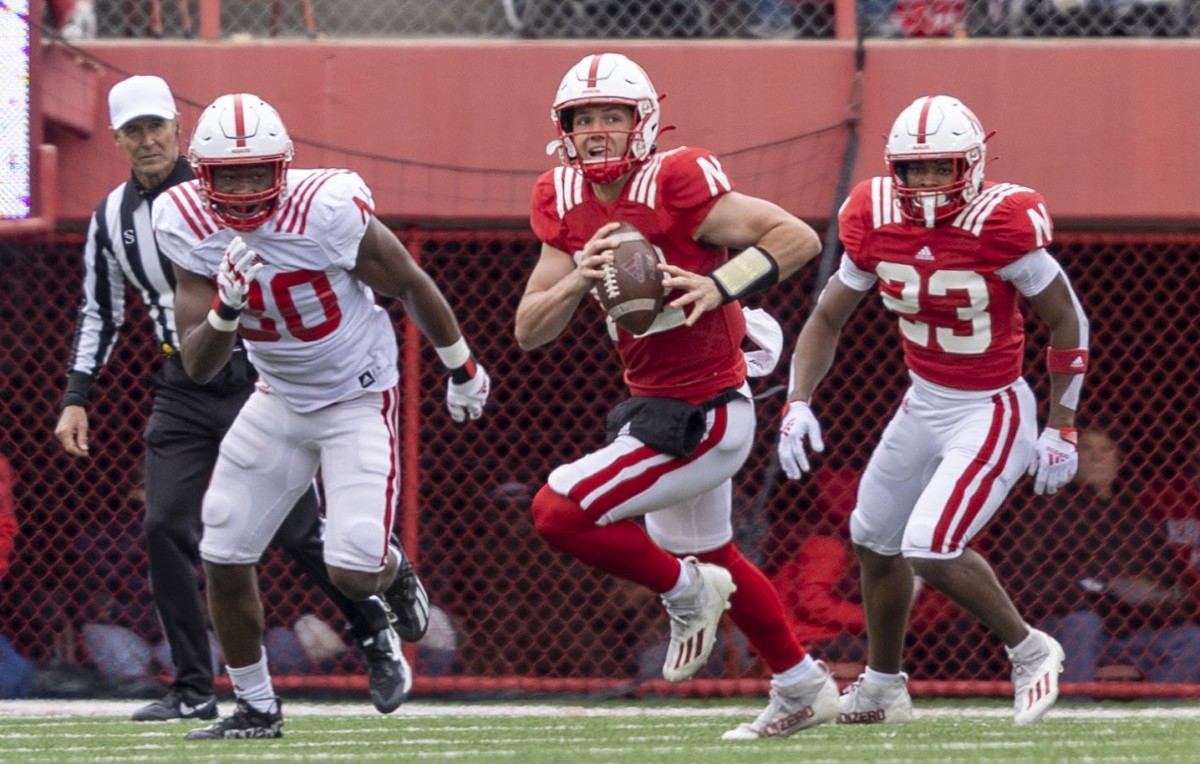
(238,269)
(798,424)
(1055,460)
(467,400)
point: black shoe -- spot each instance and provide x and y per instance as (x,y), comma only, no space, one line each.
(246,722)
(390,676)
(408,600)
(174,705)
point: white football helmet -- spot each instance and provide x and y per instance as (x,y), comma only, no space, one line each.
(606,78)
(936,127)
(236,130)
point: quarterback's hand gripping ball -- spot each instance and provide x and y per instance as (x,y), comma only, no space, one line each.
(466,400)
(1055,461)
(238,269)
(799,424)
(631,291)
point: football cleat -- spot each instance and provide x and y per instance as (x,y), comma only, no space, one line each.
(174,705)
(389,674)
(875,702)
(408,600)
(1035,680)
(694,618)
(791,709)
(246,722)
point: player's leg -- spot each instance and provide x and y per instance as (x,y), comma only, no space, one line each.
(361,473)
(803,694)
(266,463)
(587,508)
(987,445)
(889,488)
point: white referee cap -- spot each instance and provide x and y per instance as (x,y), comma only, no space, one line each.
(140,96)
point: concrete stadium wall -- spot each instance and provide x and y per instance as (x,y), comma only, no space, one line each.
(1105,129)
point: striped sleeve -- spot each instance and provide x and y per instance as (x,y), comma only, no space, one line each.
(102,305)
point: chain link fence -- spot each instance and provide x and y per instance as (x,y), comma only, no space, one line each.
(775,19)
(521,613)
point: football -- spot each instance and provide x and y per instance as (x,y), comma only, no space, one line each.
(632,289)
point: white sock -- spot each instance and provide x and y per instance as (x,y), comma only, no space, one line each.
(681,583)
(871,675)
(1026,647)
(253,684)
(803,671)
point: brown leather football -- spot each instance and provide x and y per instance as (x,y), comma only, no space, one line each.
(632,289)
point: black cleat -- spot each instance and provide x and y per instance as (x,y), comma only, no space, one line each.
(408,600)
(174,705)
(391,678)
(246,722)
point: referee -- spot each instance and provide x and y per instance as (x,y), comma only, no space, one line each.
(187,422)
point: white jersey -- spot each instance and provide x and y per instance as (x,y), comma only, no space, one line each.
(313,330)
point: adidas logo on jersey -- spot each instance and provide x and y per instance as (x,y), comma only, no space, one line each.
(925,253)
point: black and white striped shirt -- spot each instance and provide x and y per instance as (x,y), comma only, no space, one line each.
(120,249)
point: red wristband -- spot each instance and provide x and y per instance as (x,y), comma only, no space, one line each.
(1073,361)
(1069,434)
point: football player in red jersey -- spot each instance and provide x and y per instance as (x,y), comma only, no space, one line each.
(675,445)
(949,254)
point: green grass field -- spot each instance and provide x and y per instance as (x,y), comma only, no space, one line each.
(570,732)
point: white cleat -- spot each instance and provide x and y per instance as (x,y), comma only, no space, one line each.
(1035,681)
(875,702)
(791,709)
(694,618)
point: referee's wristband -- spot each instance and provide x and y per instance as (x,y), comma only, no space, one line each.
(222,324)
(753,270)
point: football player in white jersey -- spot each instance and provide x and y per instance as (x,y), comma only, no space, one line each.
(292,260)
(949,254)
(686,373)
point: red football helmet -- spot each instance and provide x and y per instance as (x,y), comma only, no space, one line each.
(241,130)
(936,127)
(606,78)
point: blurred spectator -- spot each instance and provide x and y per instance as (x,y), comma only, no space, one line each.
(310,646)
(931,18)
(876,18)
(16,671)
(117,622)
(1174,504)
(437,650)
(74,19)
(1098,574)
(769,19)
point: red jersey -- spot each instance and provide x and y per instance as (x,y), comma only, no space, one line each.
(959,319)
(666,199)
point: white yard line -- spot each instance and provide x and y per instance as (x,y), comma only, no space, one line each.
(13,709)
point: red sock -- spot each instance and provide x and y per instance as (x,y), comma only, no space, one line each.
(756,611)
(621,548)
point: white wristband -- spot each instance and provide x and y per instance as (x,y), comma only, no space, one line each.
(221,324)
(455,355)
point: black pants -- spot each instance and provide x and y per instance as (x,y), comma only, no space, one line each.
(183,437)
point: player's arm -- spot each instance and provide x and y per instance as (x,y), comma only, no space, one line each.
(1059,308)
(385,265)
(556,286)
(203,348)
(775,245)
